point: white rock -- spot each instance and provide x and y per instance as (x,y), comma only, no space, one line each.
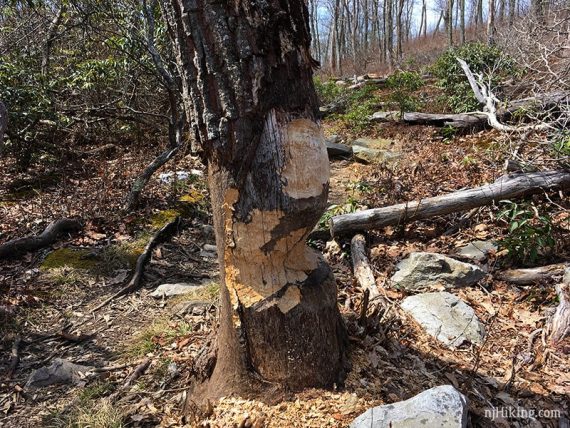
(168,290)
(477,250)
(442,406)
(445,317)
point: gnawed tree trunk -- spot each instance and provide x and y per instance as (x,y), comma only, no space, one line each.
(507,187)
(247,84)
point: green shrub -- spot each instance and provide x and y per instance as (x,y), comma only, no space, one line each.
(403,84)
(530,233)
(482,59)
(328,91)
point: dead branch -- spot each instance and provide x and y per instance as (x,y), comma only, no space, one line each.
(560,324)
(532,275)
(47,237)
(506,187)
(14,357)
(136,280)
(485,96)
(361,265)
(141,181)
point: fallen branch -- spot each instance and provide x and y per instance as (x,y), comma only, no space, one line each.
(136,280)
(560,324)
(506,187)
(531,275)
(486,97)
(361,265)
(47,237)
(14,357)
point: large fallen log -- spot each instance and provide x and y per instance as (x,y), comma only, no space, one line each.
(473,120)
(361,265)
(47,237)
(506,187)
(531,276)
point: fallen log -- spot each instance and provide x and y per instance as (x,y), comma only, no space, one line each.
(361,265)
(136,280)
(560,324)
(47,237)
(506,187)
(461,120)
(531,276)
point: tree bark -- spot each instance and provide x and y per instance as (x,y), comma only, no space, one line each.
(361,265)
(560,323)
(531,276)
(504,188)
(247,83)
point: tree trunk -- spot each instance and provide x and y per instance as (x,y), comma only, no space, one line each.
(491,30)
(247,83)
(462,22)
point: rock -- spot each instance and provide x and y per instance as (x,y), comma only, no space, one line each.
(422,270)
(193,307)
(477,250)
(445,317)
(208,232)
(374,150)
(442,406)
(59,372)
(341,83)
(209,251)
(335,139)
(385,116)
(335,149)
(169,290)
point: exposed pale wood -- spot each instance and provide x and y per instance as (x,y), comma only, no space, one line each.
(361,265)
(506,187)
(532,275)
(136,280)
(47,237)
(560,324)
(461,120)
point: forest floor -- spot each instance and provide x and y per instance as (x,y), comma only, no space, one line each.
(47,298)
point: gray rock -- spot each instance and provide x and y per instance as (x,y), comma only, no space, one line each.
(374,150)
(385,116)
(445,317)
(335,149)
(208,232)
(477,250)
(341,83)
(442,406)
(422,270)
(169,290)
(209,251)
(59,372)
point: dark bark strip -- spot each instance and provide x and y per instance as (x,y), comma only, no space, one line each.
(31,243)
(247,83)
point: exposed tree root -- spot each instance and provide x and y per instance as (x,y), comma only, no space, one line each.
(47,237)
(136,280)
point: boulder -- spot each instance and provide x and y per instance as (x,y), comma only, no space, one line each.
(176,289)
(445,317)
(375,150)
(59,372)
(336,149)
(442,406)
(477,250)
(422,270)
